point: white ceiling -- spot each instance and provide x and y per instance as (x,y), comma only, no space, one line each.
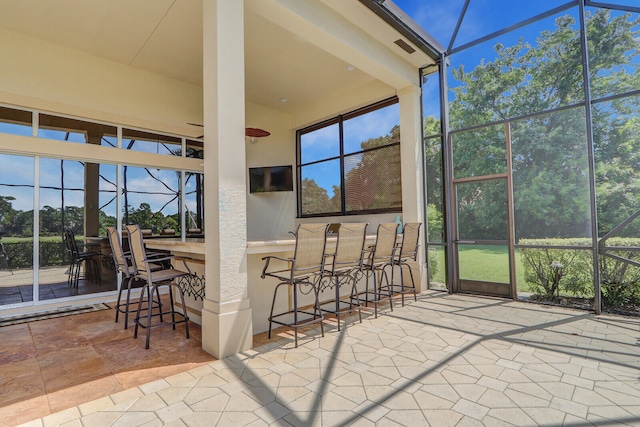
(165,37)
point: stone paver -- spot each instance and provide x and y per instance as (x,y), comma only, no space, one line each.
(445,360)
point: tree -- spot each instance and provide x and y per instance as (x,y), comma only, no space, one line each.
(549,151)
(373,177)
(314,198)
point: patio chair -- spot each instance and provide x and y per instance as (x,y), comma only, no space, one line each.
(302,273)
(122,261)
(344,268)
(143,267)
(406,251)
(4,257)
(379,257)
(78,259)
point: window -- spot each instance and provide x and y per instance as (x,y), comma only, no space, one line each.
(351,164)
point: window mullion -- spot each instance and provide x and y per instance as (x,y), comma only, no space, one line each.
(343,202)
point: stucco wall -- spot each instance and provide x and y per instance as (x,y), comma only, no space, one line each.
(51,77)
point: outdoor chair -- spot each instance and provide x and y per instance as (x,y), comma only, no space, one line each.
(122,261)
(343,269)
(4,257)
(406,251)
(301,274)
(378,257)
(78,259)
(143,267)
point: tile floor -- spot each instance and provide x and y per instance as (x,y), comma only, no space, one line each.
(50,365)
(446,360)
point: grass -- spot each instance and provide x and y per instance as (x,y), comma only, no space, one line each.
(30,239)
(484,262)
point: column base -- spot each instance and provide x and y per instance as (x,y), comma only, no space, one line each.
(228,333)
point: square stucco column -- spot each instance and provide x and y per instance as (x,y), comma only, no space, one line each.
(226,313)
(412,170)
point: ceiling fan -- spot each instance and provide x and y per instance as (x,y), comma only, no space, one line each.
(253,133)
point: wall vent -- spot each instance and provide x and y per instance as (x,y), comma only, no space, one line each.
(405,46)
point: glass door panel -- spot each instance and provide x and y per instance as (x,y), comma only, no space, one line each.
(16,229)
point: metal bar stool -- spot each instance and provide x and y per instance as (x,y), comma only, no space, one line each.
(406,251)
(302,272)
(155,279)
(379,257)
(122,261)
(79,258)
(344,268)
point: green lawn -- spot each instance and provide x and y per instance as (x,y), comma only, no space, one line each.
(484,262)
(30,239)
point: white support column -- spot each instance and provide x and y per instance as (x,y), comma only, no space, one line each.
(226,313)
(412,169)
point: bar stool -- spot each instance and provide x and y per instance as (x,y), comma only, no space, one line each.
(405,252)
(344,269)
(155,279)
(79,258)
(122,261)
(379,257)
(303,272)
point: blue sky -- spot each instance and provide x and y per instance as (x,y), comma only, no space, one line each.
(483,17)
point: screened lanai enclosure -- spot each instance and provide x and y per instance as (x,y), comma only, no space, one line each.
(532,151)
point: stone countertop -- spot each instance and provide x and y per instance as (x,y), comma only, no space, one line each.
(191,245)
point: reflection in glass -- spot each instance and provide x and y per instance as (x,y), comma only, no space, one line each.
(195,149)
(78,131)
(149,142)
(550,176)
(194,203)
(372,179)
(323,143)
(373,129)
(150,199)
(479,152)
(16,229)
(320,188)
(482,210)
(15,122)
(435,180)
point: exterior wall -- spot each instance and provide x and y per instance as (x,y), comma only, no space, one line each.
(54,78)
(270,215)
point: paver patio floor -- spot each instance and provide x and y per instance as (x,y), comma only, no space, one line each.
(445,360)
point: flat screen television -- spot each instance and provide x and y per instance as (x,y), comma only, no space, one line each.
(270,178)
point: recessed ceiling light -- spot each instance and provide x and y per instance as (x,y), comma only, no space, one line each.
(351,67)
(283,99)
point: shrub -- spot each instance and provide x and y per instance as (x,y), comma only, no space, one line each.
(550,270)
(432,260)
(20,253)
(620,280)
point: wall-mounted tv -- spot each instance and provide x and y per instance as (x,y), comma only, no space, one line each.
(270,178)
